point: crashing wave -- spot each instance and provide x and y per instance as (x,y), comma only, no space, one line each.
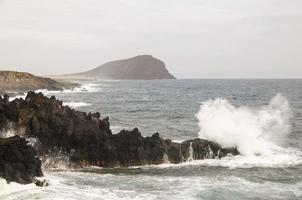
(254,131)
(74,104)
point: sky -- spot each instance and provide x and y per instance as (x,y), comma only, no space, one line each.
(195,38)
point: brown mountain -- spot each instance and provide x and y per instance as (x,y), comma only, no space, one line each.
(143,67)
(12,81)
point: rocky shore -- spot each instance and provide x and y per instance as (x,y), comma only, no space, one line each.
(87,137)
(18,161)
(13,82)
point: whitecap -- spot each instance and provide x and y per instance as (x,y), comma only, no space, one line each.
(8,188)
(86,87)
(74,104)
(253,131)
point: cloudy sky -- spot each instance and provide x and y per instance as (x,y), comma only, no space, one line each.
(195,38)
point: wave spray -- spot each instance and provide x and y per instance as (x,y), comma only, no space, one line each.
(254,131)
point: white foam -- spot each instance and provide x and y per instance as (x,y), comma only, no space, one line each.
(258,133)
(284,158)
(6,189)
(56,161)
(80,185)
(87,87)
(254,131)
(17,97)
(8,131)
(74,104)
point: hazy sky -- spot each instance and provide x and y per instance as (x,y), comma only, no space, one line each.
(195,38)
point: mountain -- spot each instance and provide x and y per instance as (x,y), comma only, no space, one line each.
(143,67)
(12,81)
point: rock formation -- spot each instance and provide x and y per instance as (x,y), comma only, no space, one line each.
(144,67)
(18,161)
(12,81)
(89,140)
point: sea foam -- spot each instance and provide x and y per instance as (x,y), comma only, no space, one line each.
(74,104)
(253,131)
(84,87)
(8,188)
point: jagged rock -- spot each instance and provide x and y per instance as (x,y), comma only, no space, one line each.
(90,140)
(41,183)
(18,161)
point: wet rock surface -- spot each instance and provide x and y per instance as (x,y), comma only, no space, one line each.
(18,161)
(88,139)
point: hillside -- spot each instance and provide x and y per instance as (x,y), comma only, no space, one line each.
(143,67)
(12,81)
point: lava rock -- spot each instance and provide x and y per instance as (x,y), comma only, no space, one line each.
(88,139)
(18,161)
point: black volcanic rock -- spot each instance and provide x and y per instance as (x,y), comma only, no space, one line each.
(143,67)
(18,161)
(89,140)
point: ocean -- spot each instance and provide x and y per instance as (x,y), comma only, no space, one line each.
(262,118)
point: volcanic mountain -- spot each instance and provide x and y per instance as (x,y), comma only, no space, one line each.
(143,67)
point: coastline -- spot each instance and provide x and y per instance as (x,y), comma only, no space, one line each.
(90,139)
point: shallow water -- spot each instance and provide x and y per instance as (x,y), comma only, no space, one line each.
(267,112)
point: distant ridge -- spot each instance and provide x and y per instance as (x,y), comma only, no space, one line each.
(142,67)
(13,81)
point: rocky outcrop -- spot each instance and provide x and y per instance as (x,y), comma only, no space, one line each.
(143,67)
(19,82)
(89,140)
(18,161)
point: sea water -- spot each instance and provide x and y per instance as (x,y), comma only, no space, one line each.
(262,118)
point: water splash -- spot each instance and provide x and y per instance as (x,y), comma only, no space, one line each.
(166,158)
(191,152)
(87,87)
(56,160)
(74,104)
(210,153)
(7,133)
(254,131)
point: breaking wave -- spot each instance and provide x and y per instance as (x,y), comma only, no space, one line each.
(74,104)
(7,189)
(87,87)
(253,131)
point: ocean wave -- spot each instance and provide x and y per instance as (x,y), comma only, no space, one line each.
(253,131)
(11,98)
(79,185)
(74,104)
(258,134)
(87,87)
(285,158)
(8,188)
(116,129)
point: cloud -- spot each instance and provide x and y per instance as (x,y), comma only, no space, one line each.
(196,38)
